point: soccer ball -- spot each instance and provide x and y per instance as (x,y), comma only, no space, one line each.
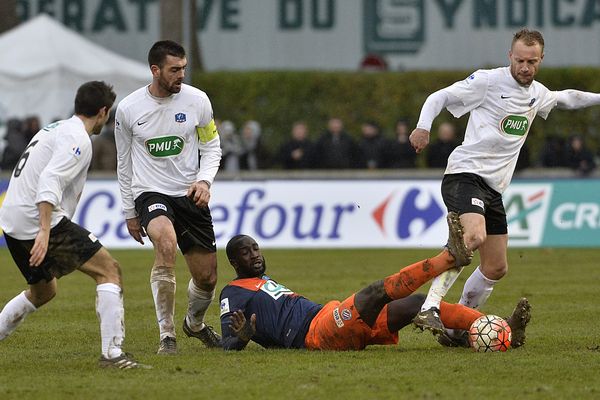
(489,333)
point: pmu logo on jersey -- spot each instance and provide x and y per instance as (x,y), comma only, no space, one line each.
(526,208)
(515,125)
(165,146)
(180,117)
(416,207)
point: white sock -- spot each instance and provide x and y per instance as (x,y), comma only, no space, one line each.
(162,282)
(13,313)
(477,289)
(109,308)
(198,303)
(439,287)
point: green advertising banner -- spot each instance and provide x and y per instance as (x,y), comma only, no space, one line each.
(573,218)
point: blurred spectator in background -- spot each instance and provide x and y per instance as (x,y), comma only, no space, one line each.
(552,154)
(445,142)
(231,145)
(298,151)
(254,156)
(31,126)
(336,149)
(372,146)
(104,149)
(399,152)
(579,158)
(16,141)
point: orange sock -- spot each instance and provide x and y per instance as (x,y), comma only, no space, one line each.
(457,316)
(412,277)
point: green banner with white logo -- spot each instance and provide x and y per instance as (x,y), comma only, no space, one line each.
(574,214)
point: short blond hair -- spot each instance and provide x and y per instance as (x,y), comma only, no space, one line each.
(530,38)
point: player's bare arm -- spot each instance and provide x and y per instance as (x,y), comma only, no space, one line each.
(419,139)
(40,245)
(241,327)
(135,229)
(199,193)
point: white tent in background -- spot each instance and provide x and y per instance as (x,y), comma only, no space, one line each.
(43,64)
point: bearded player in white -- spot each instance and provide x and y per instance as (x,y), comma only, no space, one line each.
(165,189)
(502,103)
(40,201)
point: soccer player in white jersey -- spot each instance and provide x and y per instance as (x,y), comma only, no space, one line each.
(40,201)
(165,188)
(502,103)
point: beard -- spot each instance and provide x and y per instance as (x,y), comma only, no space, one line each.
(521,79)
(172,88)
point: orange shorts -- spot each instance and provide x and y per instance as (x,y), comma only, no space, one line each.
(338,326)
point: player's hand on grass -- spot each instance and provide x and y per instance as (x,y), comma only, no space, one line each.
(40,247)
(241,327)
(135,229)
(419,139)
(199,193)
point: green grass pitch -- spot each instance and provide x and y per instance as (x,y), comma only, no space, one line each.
(53,354)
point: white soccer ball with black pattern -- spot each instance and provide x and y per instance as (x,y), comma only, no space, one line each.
(489,333)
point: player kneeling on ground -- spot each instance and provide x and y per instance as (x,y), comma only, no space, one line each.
(40,201)
(255,307)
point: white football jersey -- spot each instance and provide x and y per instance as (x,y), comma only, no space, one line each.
(158,140)
(53,168)
(501,114)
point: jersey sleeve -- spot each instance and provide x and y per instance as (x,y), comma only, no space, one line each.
(123,142)
(70,157)
(470,92)
(230,302)
(548,102)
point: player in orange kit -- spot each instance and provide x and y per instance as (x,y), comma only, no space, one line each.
(255,307)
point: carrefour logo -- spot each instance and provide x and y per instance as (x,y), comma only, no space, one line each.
(515,125)
(409,211)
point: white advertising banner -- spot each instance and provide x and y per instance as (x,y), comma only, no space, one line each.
(324,214)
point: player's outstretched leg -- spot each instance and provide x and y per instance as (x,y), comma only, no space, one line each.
(370,300)
(429,316)
(518,321)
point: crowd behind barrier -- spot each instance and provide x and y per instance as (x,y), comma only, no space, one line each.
(331,149)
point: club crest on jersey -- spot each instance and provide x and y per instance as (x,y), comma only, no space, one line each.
(346,314)
(180,117)
(517,125)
